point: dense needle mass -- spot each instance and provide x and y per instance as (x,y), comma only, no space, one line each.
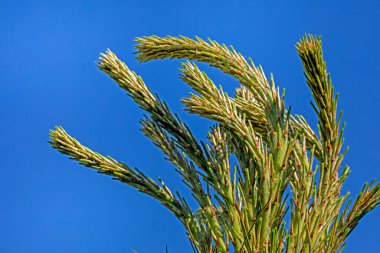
(276,153)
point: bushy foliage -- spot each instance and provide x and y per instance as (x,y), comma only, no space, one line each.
(282,164)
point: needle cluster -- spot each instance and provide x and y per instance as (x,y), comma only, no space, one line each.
(283,166)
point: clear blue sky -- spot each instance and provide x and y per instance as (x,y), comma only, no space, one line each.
(48,77)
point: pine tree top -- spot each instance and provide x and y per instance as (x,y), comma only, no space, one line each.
(283,165)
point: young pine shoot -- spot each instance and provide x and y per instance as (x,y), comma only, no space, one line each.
(283,166)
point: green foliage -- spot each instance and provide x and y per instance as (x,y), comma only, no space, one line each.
(277,153)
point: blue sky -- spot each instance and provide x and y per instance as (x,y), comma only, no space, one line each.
(48,77)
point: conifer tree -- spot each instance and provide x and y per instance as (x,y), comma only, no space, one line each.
(283,165)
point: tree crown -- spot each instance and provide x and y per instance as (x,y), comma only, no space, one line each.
(283,165)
